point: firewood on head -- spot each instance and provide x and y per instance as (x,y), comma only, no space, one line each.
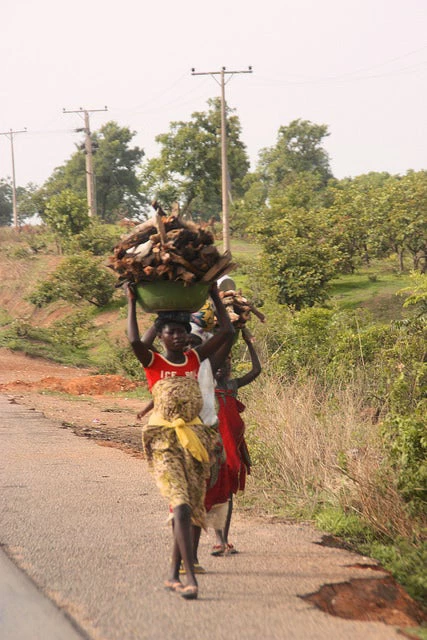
(183,246)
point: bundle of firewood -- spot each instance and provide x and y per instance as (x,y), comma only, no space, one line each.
(239,308)
(166,247)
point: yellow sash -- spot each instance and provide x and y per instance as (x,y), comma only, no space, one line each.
(185,434)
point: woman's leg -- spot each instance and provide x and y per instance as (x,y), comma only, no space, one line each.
(219,547)
(228,521)
(175,560)
(196,531)
(184,540)
(218,519)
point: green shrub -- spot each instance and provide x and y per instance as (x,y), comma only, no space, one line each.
(66,214)
(358,346)
(78,278)
(418,293)
(41,342)
(405,561)
(46,292)
(347,525)
(97,238)
(123,360)
(406,437)
(19,252)
(75,330)
(307,341)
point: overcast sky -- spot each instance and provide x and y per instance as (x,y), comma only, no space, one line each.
(358,66)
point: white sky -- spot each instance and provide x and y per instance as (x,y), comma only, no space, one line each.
(358,66)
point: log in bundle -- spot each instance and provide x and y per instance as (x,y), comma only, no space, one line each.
(167,248)
(239,308)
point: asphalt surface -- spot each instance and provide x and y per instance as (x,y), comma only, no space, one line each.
(86,531)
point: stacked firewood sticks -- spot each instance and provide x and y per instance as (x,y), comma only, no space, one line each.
(239,308)
(168,248)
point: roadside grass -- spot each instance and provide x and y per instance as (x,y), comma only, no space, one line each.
(244,250)
(140,393)
(318,456)
(38,344)
(98,354)
(68,396)
(416,632)
(374,289)
(5,317)
(246,256)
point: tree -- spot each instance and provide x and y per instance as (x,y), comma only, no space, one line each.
(298,150)
(188,169)
(26,202)
(352,207)
(115,167)
(417,294)
(98,238)
(116,164)
(6,206)
(402,223)
(66,214)
(301,260)
(297,249)
(25,206)
(244,211)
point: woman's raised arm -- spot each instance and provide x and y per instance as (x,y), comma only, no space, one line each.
(225,331)
(140,348)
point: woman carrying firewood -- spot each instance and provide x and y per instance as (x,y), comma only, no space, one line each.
(232,430)
(176,442)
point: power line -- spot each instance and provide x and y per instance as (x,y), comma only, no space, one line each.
(10,135)
(224,166)
(90,176)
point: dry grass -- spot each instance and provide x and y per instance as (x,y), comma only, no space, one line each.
(314,446)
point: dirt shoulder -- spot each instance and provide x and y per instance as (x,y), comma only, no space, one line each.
(92,405)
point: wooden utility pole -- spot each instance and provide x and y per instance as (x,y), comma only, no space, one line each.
(224,164)
(90,175)
(10,135)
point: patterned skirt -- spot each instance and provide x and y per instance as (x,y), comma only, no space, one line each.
(180,478)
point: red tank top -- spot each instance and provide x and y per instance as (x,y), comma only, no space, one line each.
(160,368)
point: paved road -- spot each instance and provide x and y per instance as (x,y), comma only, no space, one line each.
(87,529)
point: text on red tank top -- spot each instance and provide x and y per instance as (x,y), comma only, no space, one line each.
(161,368)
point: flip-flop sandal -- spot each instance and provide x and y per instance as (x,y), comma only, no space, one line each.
(172,585)
(218,550)
(231,549)
(190,592)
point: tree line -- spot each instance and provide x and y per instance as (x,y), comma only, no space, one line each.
(310,225)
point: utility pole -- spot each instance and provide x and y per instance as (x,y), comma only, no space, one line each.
(10,135)
(90,176)
(224,164)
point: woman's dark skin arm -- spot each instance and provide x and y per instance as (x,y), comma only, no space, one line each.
(146,409)
(149,337)
(140,348)
(256,364)
(226,329)
(217,358)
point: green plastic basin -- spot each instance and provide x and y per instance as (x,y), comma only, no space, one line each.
(164,295)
